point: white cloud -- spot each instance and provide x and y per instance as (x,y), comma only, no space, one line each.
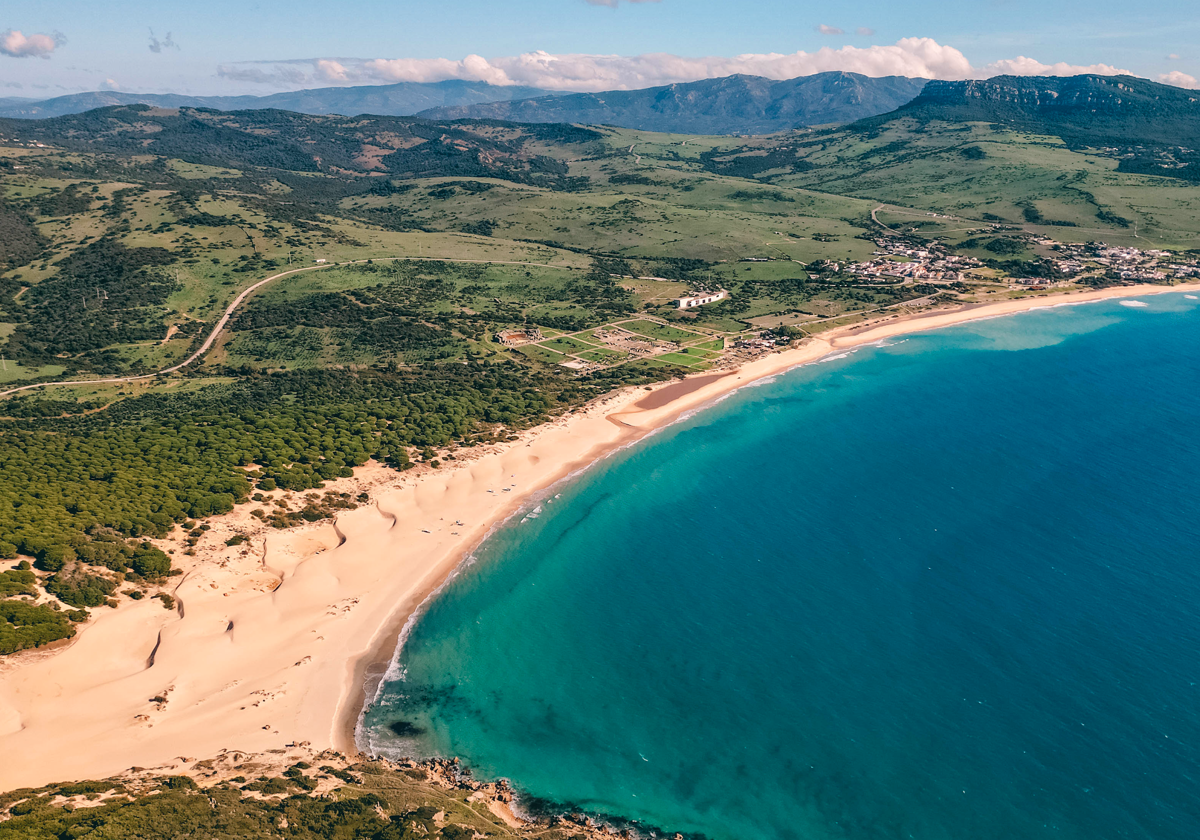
(914,57)
(1179,79)
(864,31)
(332,71)
(110,84)
(1022,66)
(1173,57)
(18,45)
(918,57)
(830,30)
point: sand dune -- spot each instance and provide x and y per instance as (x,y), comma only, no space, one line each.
(270,642)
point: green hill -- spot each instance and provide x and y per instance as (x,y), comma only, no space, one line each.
(1154,128)
(308,143)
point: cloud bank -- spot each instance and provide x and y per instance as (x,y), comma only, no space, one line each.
(1180,79)
(914,57)
(18,45)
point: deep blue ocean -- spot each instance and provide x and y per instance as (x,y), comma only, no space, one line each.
(943,587)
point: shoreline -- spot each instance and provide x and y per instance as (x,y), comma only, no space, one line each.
(668,395)
(284,643)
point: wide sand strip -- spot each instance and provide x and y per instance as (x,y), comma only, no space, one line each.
(270,645)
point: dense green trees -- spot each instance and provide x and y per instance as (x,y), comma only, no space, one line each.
(79,488)
(20,241)
(17,581)
(102,294)
(65,202)
(24,626)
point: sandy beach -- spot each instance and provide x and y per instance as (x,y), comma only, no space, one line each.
(272,642)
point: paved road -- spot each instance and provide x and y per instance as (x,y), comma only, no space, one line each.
(221,324)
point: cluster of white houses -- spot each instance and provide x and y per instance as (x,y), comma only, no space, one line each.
(1133,264)
(895,261)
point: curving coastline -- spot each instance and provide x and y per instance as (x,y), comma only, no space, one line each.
(278,643)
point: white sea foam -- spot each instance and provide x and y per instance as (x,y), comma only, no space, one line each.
(1065,303)
(1134,304)
(1191,297)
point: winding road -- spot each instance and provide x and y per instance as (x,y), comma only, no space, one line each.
(238,301)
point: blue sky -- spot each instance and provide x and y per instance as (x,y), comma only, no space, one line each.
(258,46)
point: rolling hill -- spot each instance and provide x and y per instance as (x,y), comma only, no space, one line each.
(307,143)
(730,105)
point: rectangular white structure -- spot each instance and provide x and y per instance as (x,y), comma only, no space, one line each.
(700,299)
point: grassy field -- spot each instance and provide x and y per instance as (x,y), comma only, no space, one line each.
(12,373)
(1002,175)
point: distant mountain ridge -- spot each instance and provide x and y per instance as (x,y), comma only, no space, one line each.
(1088,109)
(399,100)
(729,105)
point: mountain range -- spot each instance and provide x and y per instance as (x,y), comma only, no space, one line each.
(1087,109)
(398,100)
(1083,110)
(729,105)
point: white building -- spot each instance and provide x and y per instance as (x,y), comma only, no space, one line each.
(700,299)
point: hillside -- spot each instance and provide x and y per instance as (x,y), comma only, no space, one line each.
(398,100)
(730,105)
(1082,109)
(306,143)
(1154,128)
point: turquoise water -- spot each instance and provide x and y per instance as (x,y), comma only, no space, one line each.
(946,588)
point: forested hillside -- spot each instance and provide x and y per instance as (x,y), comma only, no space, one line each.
(284,140)
(1101,110)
